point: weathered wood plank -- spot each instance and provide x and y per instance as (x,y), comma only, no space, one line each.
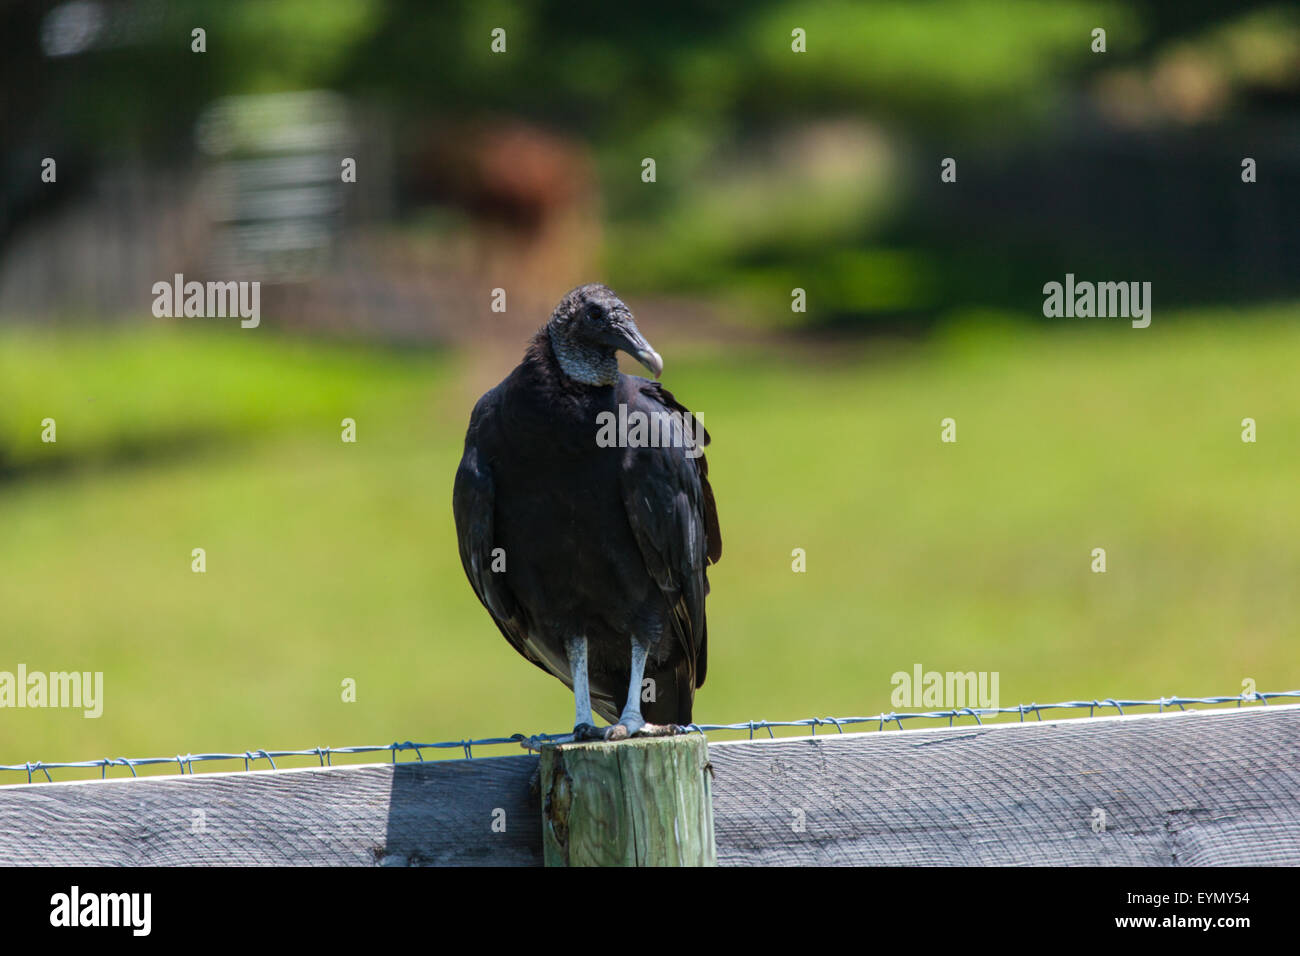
(436,813)
(1196,789)
(640,802)
(1208,788)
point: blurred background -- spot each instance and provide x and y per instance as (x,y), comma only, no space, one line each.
(523,170)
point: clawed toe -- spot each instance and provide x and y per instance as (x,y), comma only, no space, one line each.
(624,730)
(660,730)
(637,728)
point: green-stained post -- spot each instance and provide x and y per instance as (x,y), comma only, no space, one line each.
(639,802)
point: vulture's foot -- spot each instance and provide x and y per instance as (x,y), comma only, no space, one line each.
(660,730)
(584,732)
(637,727)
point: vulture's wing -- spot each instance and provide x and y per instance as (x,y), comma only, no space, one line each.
(474,506)
(670,506)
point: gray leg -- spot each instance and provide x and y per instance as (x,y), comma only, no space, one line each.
(630,722)
(584,726)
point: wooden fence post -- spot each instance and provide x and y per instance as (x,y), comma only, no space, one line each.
(639,802)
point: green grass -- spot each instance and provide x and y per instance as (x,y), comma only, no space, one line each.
(328,561)
(116,396)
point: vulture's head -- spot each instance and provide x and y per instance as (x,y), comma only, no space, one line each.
(589,326)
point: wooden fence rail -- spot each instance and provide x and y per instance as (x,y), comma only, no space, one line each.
(1196,788)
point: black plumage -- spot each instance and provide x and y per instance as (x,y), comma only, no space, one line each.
(563,539)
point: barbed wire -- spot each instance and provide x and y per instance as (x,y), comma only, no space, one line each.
(535,741)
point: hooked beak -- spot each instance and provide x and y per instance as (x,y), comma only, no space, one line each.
(628,337)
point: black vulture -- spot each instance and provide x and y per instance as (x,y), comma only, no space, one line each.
(585,528)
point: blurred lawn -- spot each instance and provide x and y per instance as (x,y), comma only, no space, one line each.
(329,561)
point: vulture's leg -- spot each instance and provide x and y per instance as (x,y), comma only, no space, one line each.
(630,722)
(584,726)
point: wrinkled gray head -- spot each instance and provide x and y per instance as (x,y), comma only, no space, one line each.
(588,327)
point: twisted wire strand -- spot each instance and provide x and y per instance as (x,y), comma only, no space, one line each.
(534,741)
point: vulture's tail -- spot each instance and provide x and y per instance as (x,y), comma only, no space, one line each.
(674,696)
